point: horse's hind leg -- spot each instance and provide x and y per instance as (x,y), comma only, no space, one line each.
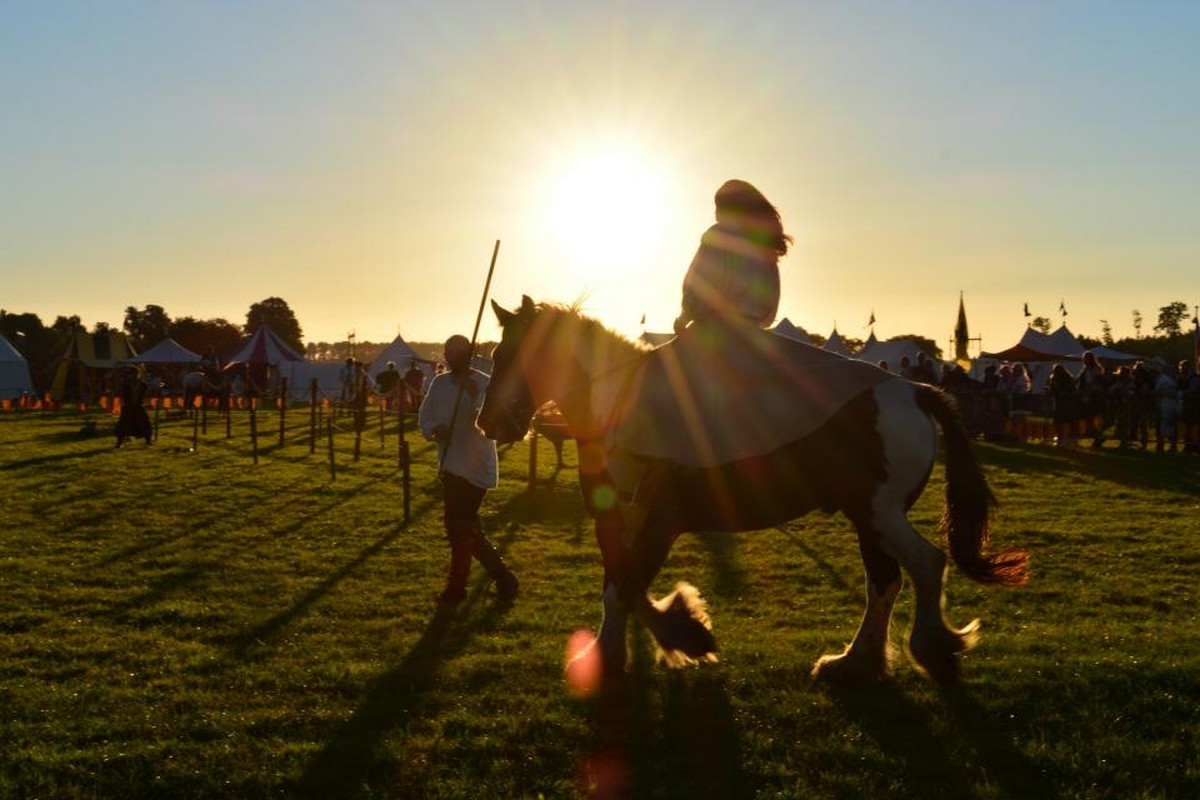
(933,644)
(868,657)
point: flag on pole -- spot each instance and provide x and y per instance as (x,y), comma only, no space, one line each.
(961,335)
(1062,307)
(643,319)
(871,321)
(1027,310)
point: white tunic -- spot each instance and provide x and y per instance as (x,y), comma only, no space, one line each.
(472,455)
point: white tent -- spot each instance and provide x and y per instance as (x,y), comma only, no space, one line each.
(836,344)
(892,351)
(399,351)
(300,375)
(785,327)
(168,351)
(14,372)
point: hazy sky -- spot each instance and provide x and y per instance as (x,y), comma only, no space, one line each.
(360,159)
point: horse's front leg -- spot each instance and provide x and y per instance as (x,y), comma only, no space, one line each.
(679,622)
(590,660)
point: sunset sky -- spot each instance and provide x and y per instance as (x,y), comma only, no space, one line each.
(360,159)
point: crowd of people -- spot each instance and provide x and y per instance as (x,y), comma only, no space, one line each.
(1140,404)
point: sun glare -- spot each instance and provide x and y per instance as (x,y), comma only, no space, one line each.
(607,206)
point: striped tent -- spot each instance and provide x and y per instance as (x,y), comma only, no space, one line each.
(265,348)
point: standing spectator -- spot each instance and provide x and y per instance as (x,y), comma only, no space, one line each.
(468,469)
(1189,405)
(389,385)
(346,377)
(1061,387)
(1166,392)
(1091,385)
(414,380)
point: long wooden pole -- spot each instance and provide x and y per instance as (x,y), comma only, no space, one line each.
(471,354)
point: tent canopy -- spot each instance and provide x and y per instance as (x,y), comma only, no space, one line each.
(399,351)
(265,348)
(785,327)
(1058,346)
(1023,352)
(168,351)
(836,344)
(875,351)
(14,372)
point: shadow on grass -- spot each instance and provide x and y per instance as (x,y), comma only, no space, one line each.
(269,629)
(349,762)
(1134,468)
(669,734)
(826,569)
(956,763)
(54,458)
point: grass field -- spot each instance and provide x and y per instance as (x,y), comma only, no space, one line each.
(178,623)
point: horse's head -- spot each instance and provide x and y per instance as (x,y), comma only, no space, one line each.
(509,404)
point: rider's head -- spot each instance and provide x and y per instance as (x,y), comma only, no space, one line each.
(740,205)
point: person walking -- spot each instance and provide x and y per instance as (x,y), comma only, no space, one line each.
(468,469)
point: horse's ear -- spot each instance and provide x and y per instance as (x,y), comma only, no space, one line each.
(502,314)
(526,304)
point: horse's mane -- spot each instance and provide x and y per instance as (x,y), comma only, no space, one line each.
(588,326)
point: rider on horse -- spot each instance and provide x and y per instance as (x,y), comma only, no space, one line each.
(734,276)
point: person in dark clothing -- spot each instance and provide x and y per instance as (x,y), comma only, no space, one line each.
(133,422)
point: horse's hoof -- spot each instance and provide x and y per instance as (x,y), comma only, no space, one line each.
(852,669)
(937,655)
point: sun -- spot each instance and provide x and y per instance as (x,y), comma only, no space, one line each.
(608,205)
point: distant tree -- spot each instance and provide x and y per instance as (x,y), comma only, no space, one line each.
(1041,324)
(103,327)
(927,346)
(1137,323)
(67,324)
(1106,333)
(1170,319)
(198,335)
(148,327)
(275,313)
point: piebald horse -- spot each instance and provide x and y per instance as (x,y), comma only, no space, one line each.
(870,460)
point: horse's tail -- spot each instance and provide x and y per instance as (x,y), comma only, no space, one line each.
(969,501)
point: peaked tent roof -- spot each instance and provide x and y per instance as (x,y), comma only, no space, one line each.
(891,351)
(1058,346)
(14,371)
(265,347)
(836,344)
(168,351)
(99,350)
(399,351)
(785,327)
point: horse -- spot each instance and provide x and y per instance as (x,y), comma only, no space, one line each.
(870,460)
(197,384)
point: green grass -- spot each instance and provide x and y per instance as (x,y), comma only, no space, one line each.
(186,624)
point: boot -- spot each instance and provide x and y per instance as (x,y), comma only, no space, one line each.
(460,570)
(489,557)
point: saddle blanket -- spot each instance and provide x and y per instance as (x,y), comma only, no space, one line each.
(714,395)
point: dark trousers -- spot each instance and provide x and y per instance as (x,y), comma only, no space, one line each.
(464,528)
